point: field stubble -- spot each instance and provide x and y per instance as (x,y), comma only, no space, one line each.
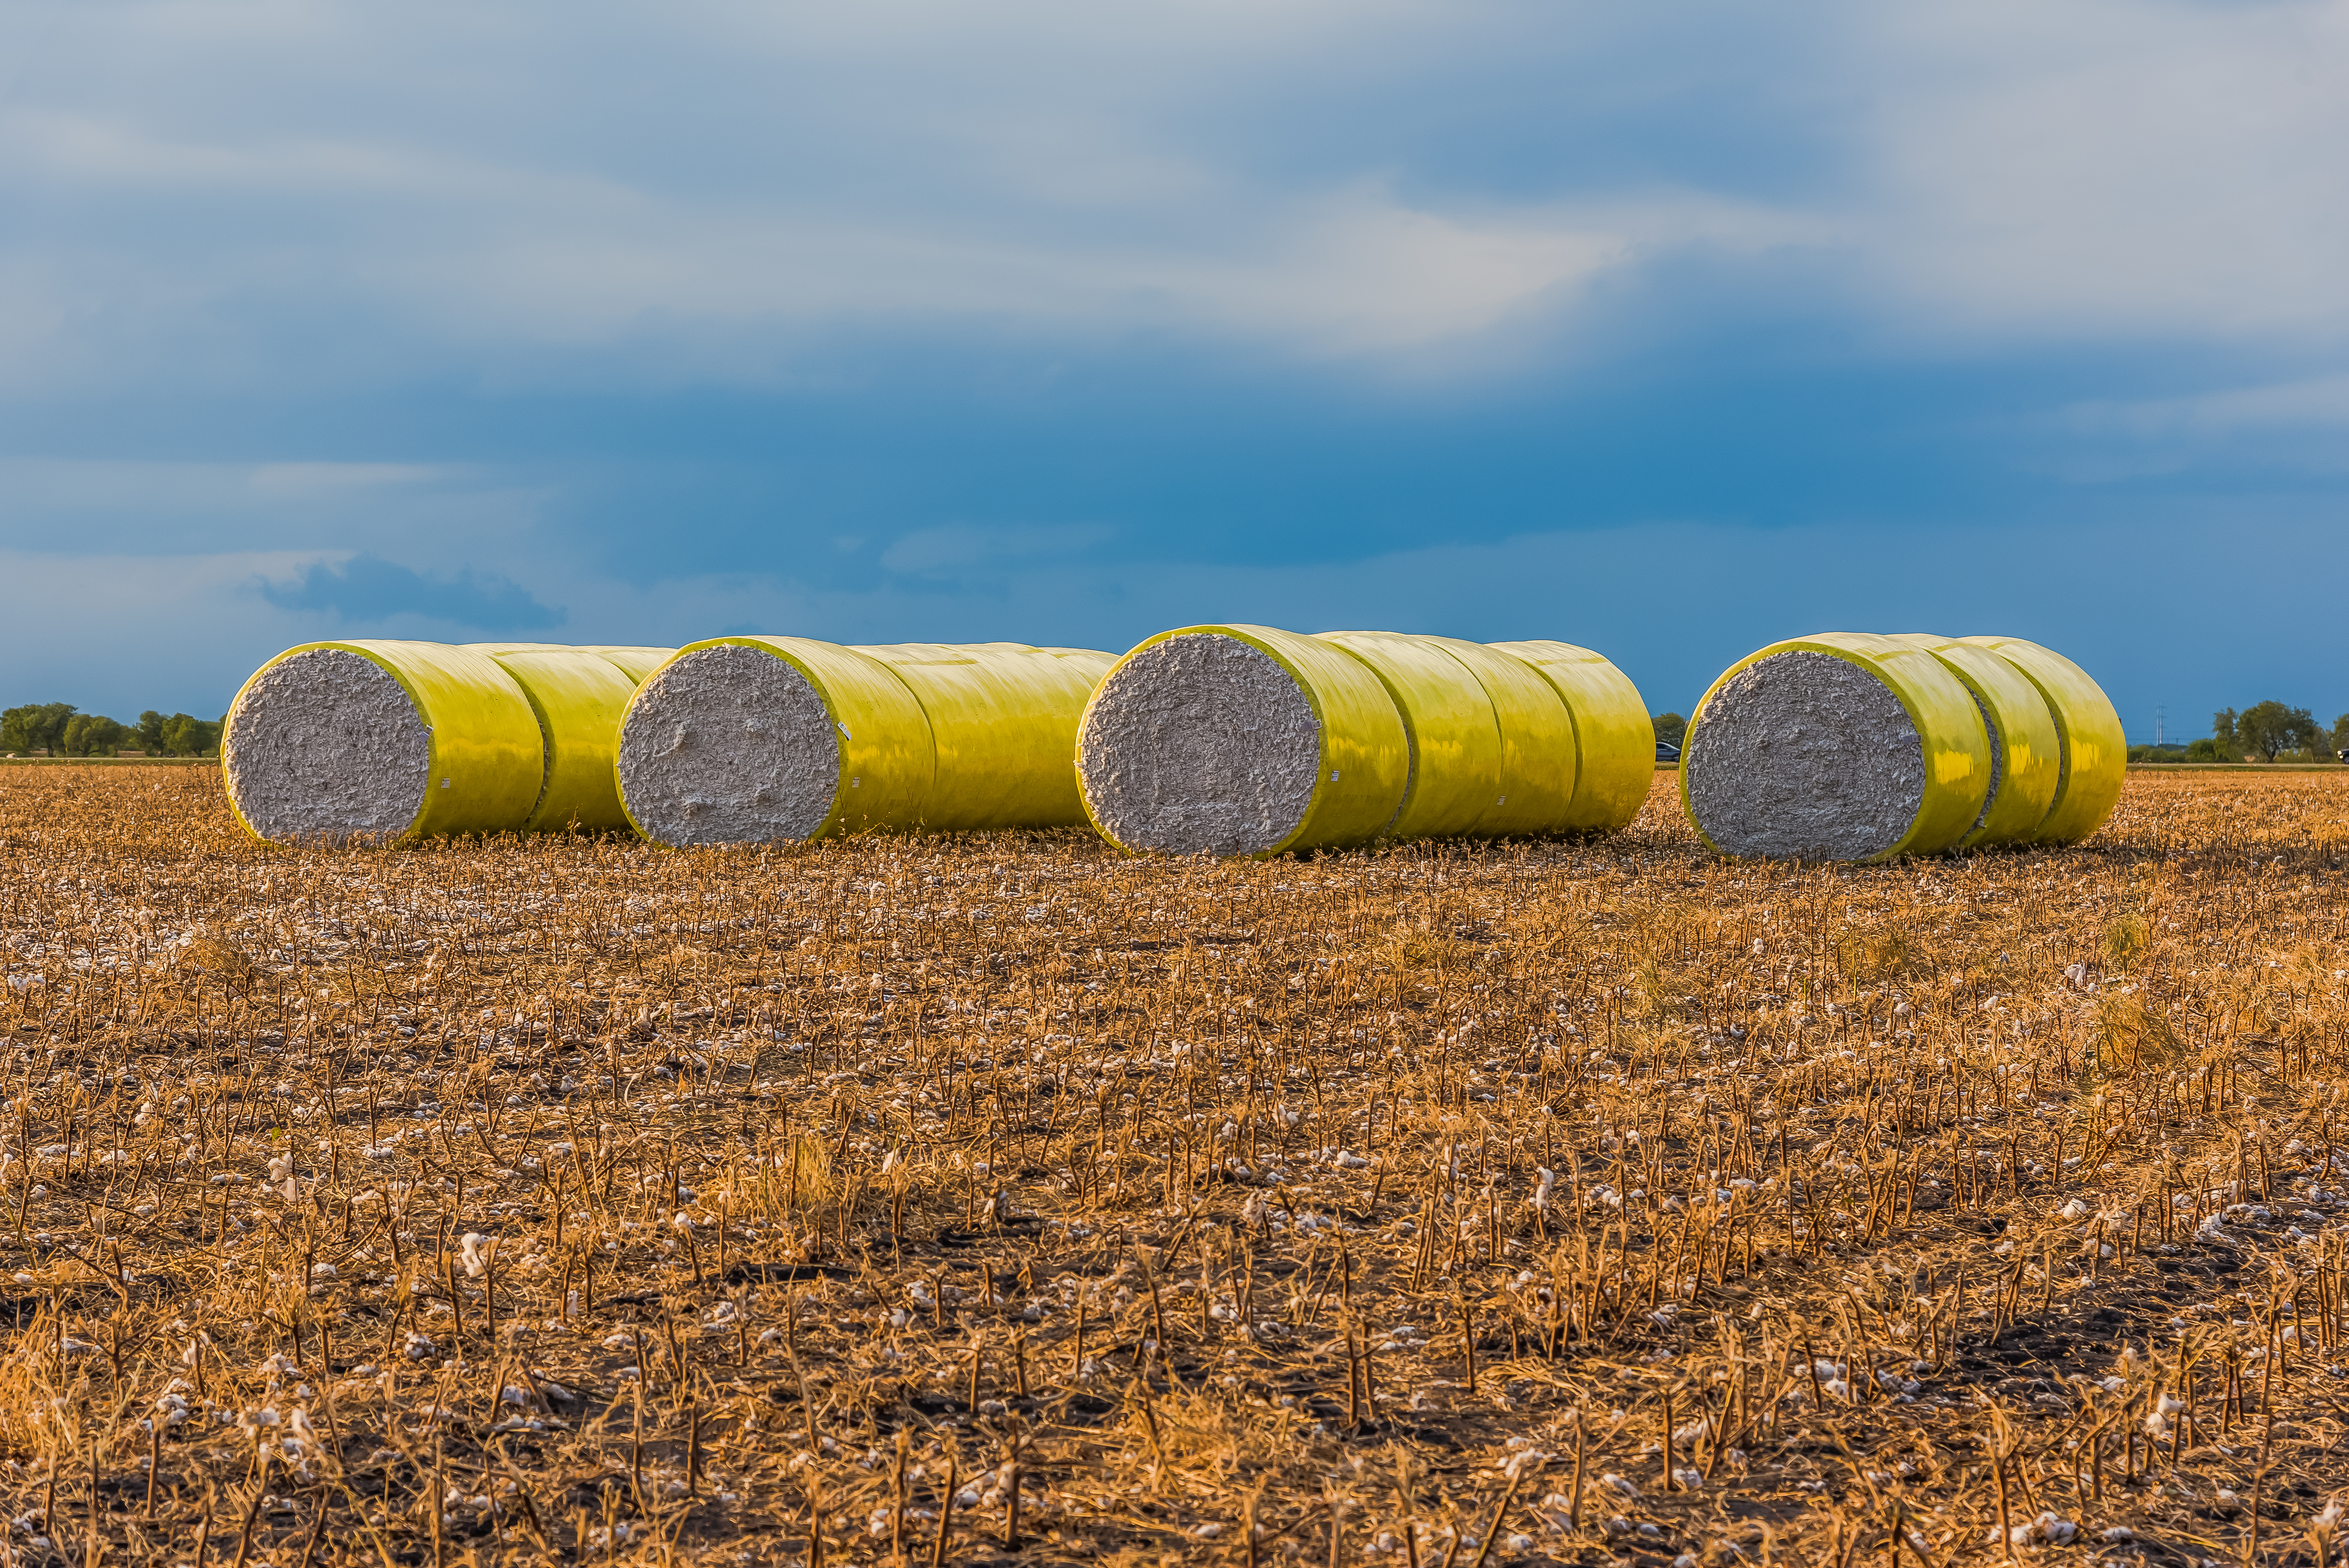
(1003,1197)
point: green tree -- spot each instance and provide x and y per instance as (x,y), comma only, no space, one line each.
(2341,734)
(92,735)
(35,726)
(2207,749)
(181,734)
(2270,729)
(2222,734)
(1669,727)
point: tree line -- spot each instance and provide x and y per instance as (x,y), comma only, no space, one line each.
(2269,731)
(62,730)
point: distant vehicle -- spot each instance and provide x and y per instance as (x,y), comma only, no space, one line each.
(1667,752)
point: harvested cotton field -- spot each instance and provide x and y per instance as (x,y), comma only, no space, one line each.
(570,1200)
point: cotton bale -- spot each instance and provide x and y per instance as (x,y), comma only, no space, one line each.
(380,741)
(1241,740)
(1846,746)
(753,739)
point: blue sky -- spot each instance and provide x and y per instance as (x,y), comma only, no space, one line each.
(1668,331)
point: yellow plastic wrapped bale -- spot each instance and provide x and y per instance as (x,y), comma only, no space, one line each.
(761,739)
(1003,719)
(1845,746)
(1492,749)
(578,695)
(1615,740)
(2095,747)
(1241,740)
(2026,753)
(380,741)
(765,739)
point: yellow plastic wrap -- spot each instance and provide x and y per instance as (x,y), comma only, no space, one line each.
(1540,757)
(1454,772)
(1949,728)
(1615,740)
(2028,753)
(1003,719)
(578,697)
(1365,757)
(1492,746)
(2095,747)
(488,762)
(886,762)
(632,662)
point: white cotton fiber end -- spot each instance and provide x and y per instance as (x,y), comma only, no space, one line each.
(727,745)
(1805,755)
(1199,743)
(326,746)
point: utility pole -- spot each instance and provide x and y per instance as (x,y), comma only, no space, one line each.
(2159,715)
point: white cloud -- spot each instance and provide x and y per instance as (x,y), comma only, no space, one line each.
(690,194)
(479,252)
(2320,404)
(79,506)
(2098,168)
(2287,427)
(1351,271)
(1044,165)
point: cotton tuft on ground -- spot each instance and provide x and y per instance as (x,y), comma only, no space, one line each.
(549,1199)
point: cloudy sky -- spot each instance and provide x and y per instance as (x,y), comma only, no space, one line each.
(1667,330)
